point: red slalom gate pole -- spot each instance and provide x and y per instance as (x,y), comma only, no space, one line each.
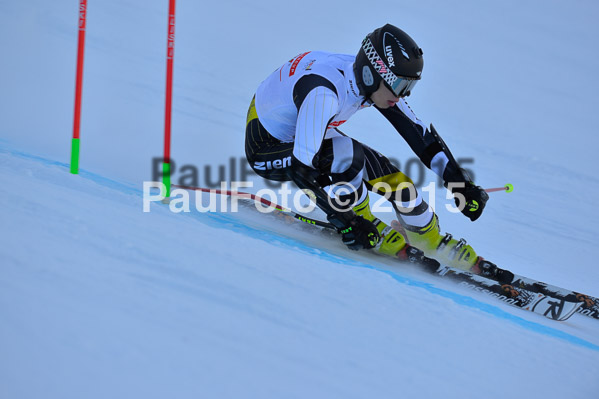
(78,87)
(170,54)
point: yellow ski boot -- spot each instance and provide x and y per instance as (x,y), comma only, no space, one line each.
(446,249)
(392,242)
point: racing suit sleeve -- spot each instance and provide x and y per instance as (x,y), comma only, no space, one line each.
(418,136)
(317,104)
(316,100)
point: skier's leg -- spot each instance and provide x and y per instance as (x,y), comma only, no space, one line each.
(419,223)
(344,160)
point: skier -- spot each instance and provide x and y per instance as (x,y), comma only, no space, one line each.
(292,133)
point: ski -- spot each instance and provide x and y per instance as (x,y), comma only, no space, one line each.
(554,308)
(589,304)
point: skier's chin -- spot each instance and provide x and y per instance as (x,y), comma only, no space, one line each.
(387,104)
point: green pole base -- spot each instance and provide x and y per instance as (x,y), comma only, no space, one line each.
(75,156)
(166,177)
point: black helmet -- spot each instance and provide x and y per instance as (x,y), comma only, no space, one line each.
(388,54)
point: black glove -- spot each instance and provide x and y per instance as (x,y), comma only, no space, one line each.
(469,198)
(357,232)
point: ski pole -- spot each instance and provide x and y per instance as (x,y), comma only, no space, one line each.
(508,188)
(262,200)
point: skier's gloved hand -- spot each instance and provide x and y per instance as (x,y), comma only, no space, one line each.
(469,198)
(357,232)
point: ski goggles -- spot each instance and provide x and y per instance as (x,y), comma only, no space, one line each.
(402,87)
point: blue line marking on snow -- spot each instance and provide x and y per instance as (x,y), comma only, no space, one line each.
(231,223)
(228,222)
(101,180)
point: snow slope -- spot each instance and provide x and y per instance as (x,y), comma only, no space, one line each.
(101,299)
